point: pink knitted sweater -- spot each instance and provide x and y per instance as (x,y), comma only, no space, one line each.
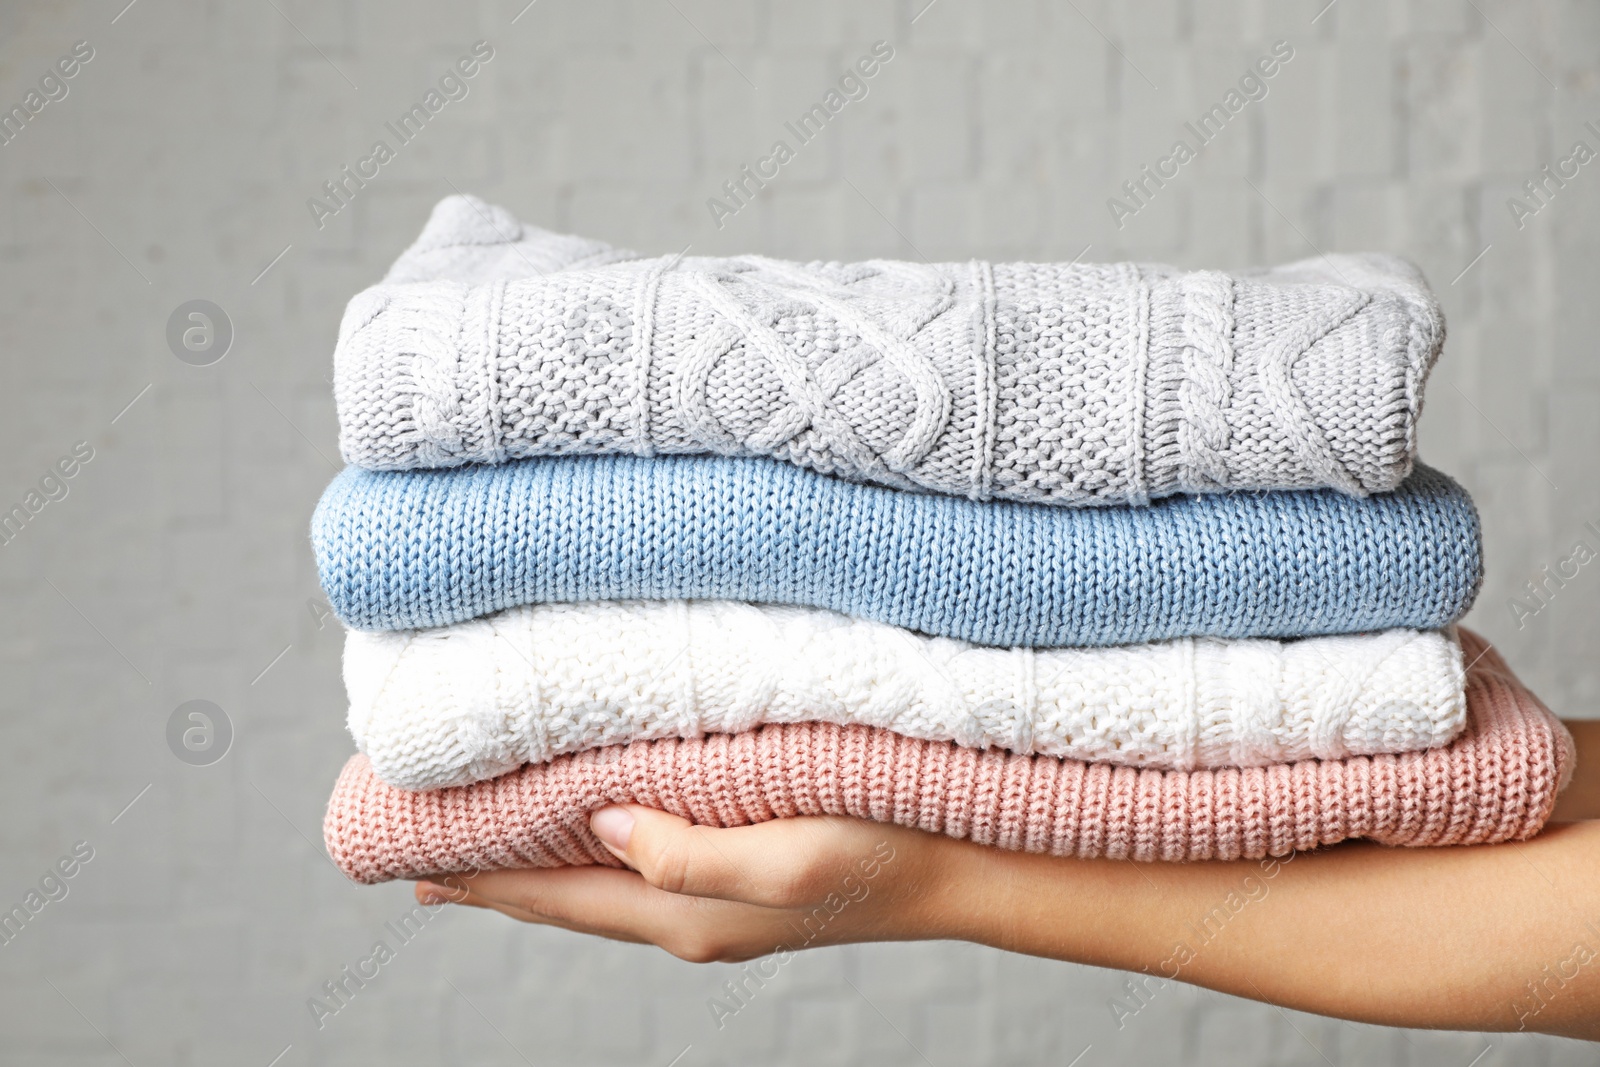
(1497,782)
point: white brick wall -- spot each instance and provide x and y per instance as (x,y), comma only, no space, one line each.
(177,568)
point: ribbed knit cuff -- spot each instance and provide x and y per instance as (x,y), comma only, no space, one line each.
(419,360)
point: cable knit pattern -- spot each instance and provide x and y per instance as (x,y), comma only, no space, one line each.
(1497,782)
(1204,390)
(450,706)
(404,550)
(1051,383)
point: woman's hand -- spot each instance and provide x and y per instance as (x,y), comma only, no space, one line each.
(1488,937)
(711,895)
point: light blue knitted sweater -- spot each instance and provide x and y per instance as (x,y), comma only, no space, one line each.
(427,548)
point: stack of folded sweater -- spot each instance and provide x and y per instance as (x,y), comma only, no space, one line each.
(1094,560)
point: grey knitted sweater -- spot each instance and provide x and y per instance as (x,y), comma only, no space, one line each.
(1055,383)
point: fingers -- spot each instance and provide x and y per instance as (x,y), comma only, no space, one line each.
(522,906)
(433,894)
(786,863)
(707,894)
(622,906)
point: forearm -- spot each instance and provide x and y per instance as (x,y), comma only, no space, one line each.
(1446,937)
(1500,937)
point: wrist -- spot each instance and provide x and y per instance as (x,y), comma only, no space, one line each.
(954,890)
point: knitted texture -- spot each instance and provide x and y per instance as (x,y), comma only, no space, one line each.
(467,240)
(435,708)
(1497,782)
(401,550)
(1053,383)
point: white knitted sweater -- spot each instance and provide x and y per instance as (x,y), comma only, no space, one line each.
(448,706)
(1055,383)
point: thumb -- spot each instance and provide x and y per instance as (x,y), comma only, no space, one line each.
(677,856)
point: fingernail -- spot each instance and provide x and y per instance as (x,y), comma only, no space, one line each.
(613,825)
(434,894)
